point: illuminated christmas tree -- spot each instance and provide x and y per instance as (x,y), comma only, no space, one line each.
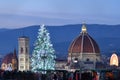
(43,56)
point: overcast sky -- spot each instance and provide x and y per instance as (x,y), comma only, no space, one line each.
(21,13)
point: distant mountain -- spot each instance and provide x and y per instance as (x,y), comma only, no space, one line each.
(3,29)
(107,37)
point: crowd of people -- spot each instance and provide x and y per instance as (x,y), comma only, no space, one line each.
(59,75)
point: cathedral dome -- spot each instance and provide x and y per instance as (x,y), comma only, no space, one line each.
(84,43)
(9,62)
(8,58)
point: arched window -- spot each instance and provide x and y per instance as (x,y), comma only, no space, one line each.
(21,59)
(26,50)
(10,65)
(21,49)
(87,59)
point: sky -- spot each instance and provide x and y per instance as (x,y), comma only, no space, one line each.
(21,13)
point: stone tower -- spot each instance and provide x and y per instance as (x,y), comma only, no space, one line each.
(23,53)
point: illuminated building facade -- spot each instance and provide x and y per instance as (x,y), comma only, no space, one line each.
(114,60)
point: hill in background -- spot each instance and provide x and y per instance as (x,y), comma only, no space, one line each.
(107,37)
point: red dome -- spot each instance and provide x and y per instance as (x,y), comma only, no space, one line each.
(84,43)
(8,58)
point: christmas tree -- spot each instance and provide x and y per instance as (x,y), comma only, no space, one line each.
(43,56)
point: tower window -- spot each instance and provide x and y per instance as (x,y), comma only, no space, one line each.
(21,67)
(26,60)
(21,59)
(21,49)
(26,50)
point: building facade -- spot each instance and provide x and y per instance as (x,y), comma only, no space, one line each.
(60,64)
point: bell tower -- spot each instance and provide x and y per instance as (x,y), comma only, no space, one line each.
(23,53)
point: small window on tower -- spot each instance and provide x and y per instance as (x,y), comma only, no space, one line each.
(26,60)
(21,67)
(21,59)
(26,50)
(21,49)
